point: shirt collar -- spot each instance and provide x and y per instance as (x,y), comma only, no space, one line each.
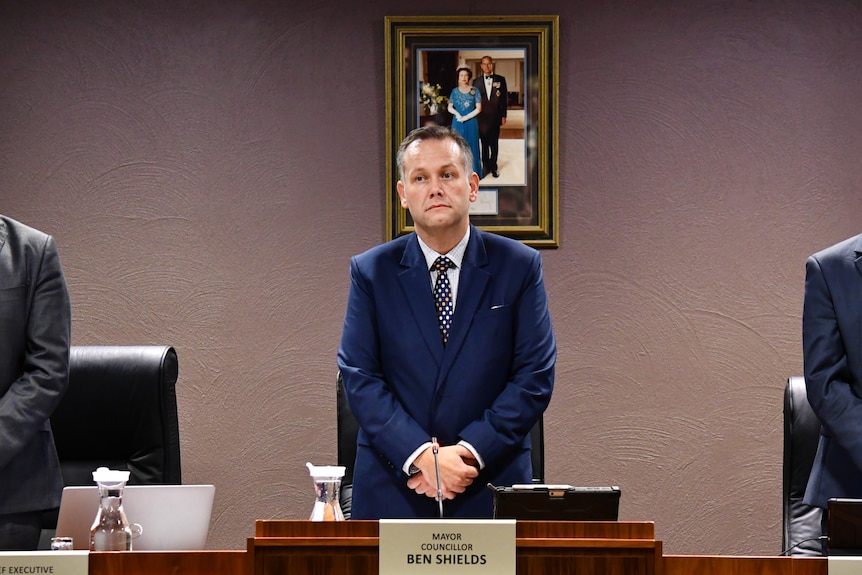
(455,255)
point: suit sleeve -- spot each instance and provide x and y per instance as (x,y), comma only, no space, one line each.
(381,417)
(827,375)
(31,399)
(504,97)
(527,392)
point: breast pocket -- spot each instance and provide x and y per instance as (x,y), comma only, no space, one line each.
(493,323)
(495,312)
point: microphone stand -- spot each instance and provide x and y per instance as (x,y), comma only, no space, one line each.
(434,448)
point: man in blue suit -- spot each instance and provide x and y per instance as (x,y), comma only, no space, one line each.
(832,345)
(35,329)
(478,391)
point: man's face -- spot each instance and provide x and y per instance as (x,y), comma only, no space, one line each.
(436,188)
(487,66)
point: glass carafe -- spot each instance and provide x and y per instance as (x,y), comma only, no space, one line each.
(111,530)
(327,484)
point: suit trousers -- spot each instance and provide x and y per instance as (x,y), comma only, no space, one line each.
(20,531)
(489,142)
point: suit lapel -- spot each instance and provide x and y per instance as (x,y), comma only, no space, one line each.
(415,281)
(473,281)
(858,249)
(471,287)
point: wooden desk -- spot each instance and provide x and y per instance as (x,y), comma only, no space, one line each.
(235,563)
(547,548)
(168,562)
(725,565)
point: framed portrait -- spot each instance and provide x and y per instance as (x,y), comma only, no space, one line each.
(439,69)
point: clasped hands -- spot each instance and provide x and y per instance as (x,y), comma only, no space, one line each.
(456,472)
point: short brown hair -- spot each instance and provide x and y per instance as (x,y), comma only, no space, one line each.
(435,132)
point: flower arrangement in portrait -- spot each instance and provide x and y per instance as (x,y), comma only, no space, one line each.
(431,98)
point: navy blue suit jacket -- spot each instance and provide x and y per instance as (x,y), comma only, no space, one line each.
(487,386)
(832,344)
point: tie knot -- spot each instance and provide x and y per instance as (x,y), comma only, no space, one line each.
(442,264)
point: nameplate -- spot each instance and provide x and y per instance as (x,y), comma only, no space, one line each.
(447,546)
(844,565)
(44,562)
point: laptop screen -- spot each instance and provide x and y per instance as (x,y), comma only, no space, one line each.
(172,517)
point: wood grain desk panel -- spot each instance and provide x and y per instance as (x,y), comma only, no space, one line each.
(566,547)
(527,532)
(169,562)
(549,548)
(535,556)
(724,565)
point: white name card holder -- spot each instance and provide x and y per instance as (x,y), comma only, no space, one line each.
(447,547)
(44,562)
(841,565)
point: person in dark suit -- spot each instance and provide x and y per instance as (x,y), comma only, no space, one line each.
(832,353)
(495,95)
(478,383)
(35,328)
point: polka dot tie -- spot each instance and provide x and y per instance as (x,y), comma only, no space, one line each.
(443,296)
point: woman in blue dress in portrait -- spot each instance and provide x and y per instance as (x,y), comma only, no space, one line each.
(465,103)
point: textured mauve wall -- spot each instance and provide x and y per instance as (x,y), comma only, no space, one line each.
(209,167)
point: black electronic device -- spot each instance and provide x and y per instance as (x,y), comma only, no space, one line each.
(556,503)
(845,527)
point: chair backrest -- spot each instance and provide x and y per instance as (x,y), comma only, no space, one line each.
(120,412)
(801,434)
(537,450)
(347,430)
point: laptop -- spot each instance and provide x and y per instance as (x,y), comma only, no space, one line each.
(173,517)
(556,503)
(845,527)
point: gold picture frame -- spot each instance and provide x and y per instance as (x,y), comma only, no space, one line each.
(422,56)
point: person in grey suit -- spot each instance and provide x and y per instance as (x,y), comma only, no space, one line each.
(832,353)
(35,331)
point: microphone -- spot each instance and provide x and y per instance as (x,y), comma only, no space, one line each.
(434,448)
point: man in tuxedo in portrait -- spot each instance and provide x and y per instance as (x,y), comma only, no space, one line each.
(495,94)
(447,335)
(35,331)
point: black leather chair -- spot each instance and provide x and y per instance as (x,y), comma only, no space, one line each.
(801,433)
(348,429)
(120,411)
